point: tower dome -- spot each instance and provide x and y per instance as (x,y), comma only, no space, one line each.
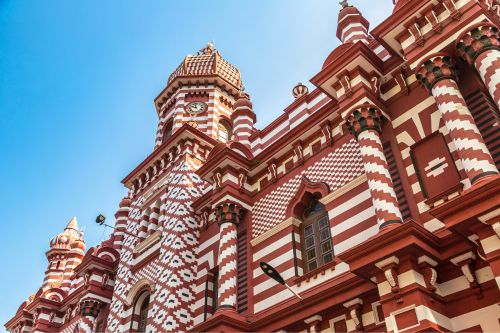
(67,238)
(204,67)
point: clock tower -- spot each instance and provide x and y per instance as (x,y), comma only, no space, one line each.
(200,92)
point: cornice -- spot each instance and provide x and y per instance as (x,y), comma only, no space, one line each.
(395,240)
(173,140)
(273,231)
(313,120)
(475,201)
(343,190)
(215,160)
(335,67)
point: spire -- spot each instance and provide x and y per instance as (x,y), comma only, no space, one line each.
(352,26)
(72,226)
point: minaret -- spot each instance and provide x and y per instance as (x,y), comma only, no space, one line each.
(352,26)
(243,119)
(66,252)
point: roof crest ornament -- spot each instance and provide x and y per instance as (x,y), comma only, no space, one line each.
(344,3)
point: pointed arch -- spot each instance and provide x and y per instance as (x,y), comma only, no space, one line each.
(306,192)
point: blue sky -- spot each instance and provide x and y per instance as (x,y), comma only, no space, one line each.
(77,83)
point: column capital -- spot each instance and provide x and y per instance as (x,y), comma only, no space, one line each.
(435,68)
(90,307)
(364,117)
(477,39)
(228,212)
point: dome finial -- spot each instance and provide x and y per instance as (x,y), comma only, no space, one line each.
(209,48)
(72,224)
(299,90)
(344,3)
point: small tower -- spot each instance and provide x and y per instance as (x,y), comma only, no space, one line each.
(66,252)
(352,26)
(243,119)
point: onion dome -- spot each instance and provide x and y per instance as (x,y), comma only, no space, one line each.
(68,238)
(207,66)
(300,90)
(243,102)
(125,202)
(335,54)
(78,244)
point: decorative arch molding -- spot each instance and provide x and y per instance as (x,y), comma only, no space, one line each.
(108,253)
(241,149)
(307,190)
(217,148)
(136,291)
(55,294)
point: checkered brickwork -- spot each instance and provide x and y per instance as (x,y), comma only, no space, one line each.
(335,169)
(174,270)
(207,62)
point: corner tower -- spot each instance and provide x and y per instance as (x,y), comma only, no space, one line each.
(66,252)
(200,92)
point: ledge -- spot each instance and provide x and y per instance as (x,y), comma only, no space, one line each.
(147,242)
(478,200)
(407,237)
(343,190)
(269,233)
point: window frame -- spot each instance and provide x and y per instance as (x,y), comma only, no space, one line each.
(167,131)
(142,321)
(140,308)
(224,124)
(312,220)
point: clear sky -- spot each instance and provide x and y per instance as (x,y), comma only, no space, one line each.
(77,84)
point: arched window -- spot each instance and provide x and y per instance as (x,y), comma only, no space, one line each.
(316,239)
(167,131)
(143,316)
(140,313)
(223,131)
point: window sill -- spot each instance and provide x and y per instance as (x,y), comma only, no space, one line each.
(147,243)
(314,273)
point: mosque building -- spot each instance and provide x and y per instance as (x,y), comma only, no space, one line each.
(371,204)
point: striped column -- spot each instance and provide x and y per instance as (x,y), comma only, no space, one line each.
(365,124)
(228,216)
(439,76)
(352,26)
(480,47)
(121,217)
(243,119)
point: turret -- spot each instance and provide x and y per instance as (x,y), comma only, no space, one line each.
(352,26)
(66,252)
(243,119)
(200,92)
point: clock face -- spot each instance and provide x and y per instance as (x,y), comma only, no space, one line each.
(196,107)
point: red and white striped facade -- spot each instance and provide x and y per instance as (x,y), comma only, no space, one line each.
(398,140)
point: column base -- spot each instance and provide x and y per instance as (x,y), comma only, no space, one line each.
(226,308)
(391,223)
(482,176)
